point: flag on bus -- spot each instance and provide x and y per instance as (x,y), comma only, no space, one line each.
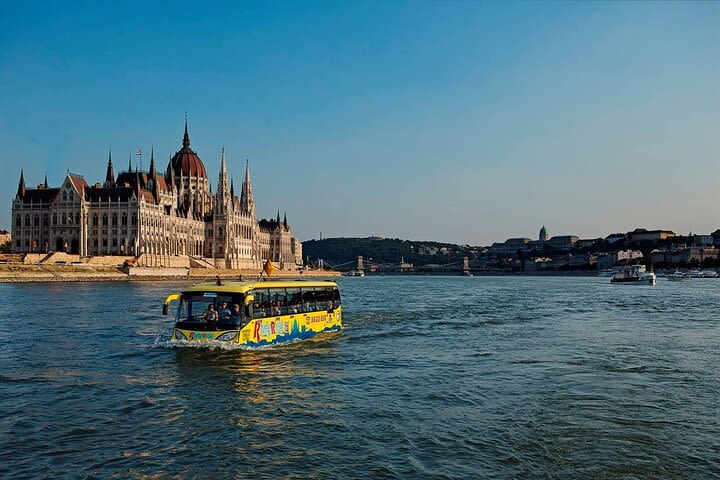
(269,268)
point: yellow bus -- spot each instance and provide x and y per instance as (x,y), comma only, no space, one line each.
(256,313)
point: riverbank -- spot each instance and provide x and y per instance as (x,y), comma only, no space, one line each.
(22,273)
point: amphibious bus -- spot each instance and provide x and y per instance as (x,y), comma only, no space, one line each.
(255,313)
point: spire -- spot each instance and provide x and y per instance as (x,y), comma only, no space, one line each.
(223,193)
(285,221)
(110,175)
(45,184)
(278,219)
(137,183)
(186,137)
(130,163)
(21,184)
(152,163)
(247,203)
(232,188)
(172,179)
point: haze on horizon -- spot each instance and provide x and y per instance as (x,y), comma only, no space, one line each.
(465,122)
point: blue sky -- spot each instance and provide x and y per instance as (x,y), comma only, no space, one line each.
(467,122)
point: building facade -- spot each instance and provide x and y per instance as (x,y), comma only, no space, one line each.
(153,216)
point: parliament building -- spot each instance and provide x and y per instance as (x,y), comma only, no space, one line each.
(153,216)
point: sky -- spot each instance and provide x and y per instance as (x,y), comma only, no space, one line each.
(463,122)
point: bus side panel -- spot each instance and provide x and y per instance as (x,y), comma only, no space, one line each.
(267,331)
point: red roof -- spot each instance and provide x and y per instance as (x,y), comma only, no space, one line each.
(79,183)
(160,180)
(186,163)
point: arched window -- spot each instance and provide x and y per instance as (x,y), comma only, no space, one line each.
(18,222)
(27,220)
(54,218)
(36,221)
(77,218)
(104,220)
(114,220)
(124,219)
(95,220)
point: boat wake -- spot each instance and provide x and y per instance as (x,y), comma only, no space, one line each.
(165,342)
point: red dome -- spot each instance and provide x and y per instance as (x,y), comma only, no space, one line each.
(186,162)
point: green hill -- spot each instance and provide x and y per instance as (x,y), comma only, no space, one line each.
(384,250)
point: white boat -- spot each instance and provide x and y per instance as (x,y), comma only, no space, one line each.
(708,274)
(633,275)
(678,276)
(354,273)
(695,273)
(605,273)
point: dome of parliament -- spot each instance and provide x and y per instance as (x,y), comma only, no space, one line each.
(186,162)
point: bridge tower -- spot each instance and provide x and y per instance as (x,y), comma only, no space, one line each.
(466,265)
(360,266)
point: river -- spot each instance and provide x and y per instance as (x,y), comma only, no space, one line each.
(432,377)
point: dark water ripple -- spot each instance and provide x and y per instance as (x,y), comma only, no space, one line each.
(432,378)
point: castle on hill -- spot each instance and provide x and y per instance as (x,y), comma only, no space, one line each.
(155,216)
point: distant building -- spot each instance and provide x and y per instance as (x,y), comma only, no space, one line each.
(585,242)
(702,240)
(510,246)
(641,234)
(543,237)
(5,237)
(154,216)
(425,250)
(581,261)
(536,264)
(607,260)
(683,255)
(615,237)
(563,241)
(405,266)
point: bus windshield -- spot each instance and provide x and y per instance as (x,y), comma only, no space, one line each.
(211,311)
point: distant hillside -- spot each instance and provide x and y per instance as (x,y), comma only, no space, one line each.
(384,250)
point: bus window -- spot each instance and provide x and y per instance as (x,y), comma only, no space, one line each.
(279,305)
(294,301)
(323,297)
(336,297)
(308,299)
(261,305)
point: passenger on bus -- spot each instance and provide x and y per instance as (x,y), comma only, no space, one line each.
(210,315)
(276,309)
(235,313)
(294,308)
(223,312)
(307,308)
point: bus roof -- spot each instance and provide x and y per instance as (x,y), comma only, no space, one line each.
(243,287)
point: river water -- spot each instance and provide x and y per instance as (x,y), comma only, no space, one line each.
(433,377)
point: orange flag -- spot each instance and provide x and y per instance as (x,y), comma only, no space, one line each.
(269,268)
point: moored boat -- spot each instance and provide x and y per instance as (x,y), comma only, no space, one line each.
(354,273)
(678,276)
(256,313)
(633,275)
